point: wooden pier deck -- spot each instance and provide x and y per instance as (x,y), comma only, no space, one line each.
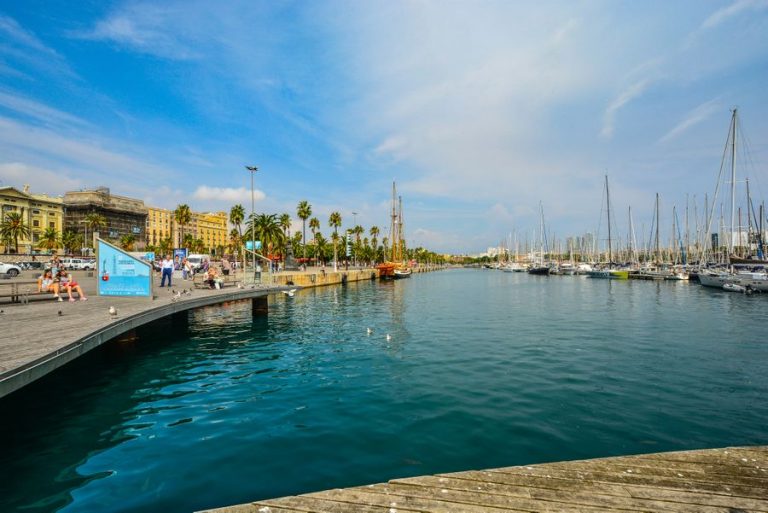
(730,480)
(41,336)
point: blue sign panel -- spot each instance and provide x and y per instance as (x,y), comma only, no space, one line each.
(121,274)
(249,245)
(180,254)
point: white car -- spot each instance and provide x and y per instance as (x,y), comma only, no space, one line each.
(78,264)
(10,269)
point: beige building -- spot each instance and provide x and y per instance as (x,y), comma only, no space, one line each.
(210,227)
(38,211)
(160,225)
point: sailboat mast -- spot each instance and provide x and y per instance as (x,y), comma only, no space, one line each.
(393,229)
(658,255)
(400,228)
(733,178)
(608,206)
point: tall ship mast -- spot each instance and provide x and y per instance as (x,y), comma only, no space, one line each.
(397,267)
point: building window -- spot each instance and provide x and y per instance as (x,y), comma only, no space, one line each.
(52,224)
(36,223)
(36,212)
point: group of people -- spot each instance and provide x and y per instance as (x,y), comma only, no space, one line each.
(188,271)
(56,280)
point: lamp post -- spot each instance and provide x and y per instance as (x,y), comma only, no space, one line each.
(253,170)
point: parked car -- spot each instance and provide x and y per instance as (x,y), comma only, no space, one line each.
(78,264)
(10,269)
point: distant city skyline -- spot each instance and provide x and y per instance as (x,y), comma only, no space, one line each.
(478,110)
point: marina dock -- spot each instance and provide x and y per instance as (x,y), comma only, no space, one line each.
(729,480)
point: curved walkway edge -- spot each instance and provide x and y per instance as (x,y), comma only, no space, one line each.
(41,337)
(730,480)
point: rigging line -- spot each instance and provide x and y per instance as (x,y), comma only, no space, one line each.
(717,186)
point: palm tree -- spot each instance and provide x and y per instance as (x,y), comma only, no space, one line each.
(235,240)
(335,221)
(236,217)
(374,231)
(188,241)
(126,241)
(49,240)
(165,246)
(183,216)
(321,247)
(266,228)
(285,223)
(94,221)
(304,210)
(71,240)
(13,227)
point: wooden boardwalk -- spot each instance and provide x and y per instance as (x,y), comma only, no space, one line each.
(41,336)
(731,480)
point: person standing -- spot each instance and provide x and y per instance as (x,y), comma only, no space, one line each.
(167,267)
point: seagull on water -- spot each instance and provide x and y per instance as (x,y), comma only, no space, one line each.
(389,337)
(368,330)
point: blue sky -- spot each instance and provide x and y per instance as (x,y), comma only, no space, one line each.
(479,109)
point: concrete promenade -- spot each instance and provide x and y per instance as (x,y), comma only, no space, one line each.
(730,480)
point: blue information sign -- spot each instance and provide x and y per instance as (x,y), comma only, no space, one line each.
(121,274)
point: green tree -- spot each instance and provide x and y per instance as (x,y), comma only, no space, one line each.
(285,223)
(72,241)
(183,216)
(304,211)
(12,228)
(164,246)
(267,229)
(126,241)
(374,231)
(334,220)
(49,240)
(236,217)
(94,221)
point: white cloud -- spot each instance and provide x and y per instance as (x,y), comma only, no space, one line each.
(41,180)
(694,117)
(627,95)
(144,28)
(26,47)
(227,195)
(26,107)
(736,8)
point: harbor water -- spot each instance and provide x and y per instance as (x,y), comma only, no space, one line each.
(482,369)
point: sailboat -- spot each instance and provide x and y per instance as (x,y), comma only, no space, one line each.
(396,268)
(540,268)
(609,272)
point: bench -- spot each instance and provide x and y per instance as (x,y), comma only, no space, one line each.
(198,281)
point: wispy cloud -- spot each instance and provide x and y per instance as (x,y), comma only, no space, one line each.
(144,28)
(725,13)
(29,108)
(24,46)
(624,97)
(692,118)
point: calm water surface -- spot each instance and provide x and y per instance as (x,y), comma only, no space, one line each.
(484,369)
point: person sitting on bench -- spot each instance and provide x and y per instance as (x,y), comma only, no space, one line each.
(46,283)
(69,284)
(211,278)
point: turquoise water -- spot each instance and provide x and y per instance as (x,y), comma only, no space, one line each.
(484,369)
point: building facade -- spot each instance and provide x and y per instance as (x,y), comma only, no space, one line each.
(211,228)
(38,211)
(123,215)
(160,226)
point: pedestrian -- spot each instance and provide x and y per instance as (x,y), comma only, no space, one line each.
(167,267)
(225,267)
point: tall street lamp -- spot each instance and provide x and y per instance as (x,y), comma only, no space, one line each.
(253,170)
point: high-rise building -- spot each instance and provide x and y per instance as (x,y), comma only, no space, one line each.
(209,227)
(38,212)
